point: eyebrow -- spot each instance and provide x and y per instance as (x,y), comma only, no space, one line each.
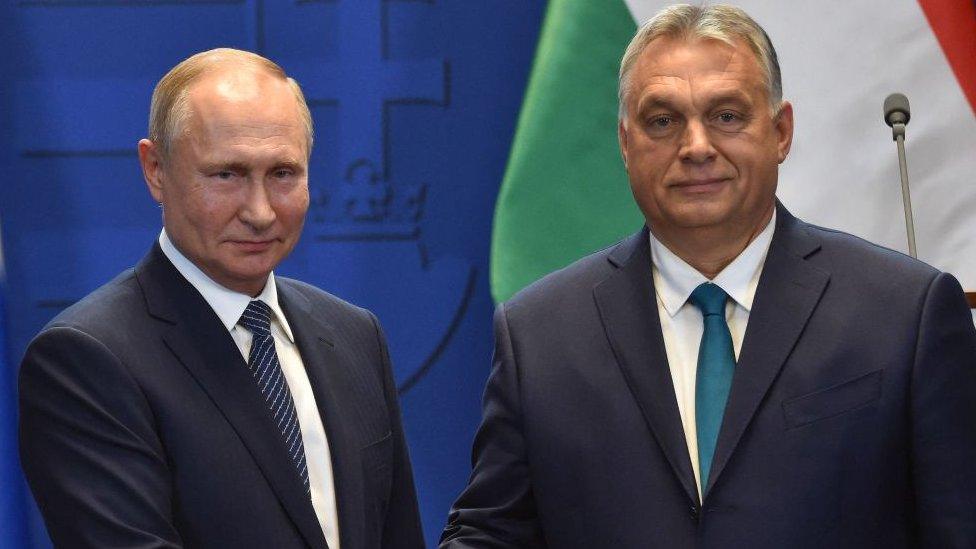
(664,101)
(650,101)
(236,166)
(732,96)
(293,165)
(222,166)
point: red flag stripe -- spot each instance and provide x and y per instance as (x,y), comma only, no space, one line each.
(954,24)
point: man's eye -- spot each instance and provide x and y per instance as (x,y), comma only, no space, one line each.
(661,122)
(224,174)
(282,173)
(728,117)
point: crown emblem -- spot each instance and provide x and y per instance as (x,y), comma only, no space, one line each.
(365,206)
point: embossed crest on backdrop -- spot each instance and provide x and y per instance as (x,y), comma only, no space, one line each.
(367,221)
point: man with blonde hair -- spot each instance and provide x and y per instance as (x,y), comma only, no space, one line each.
(729,376)
(198,400)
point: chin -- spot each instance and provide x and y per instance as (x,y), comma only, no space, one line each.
(699,216)
(249,269)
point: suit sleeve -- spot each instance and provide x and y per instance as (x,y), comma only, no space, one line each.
(497,509)
(944,419)
(89,449)
(401,527)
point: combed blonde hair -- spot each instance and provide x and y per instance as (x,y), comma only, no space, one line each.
(719,22)
(170,108)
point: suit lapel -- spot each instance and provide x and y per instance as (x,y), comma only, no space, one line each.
(788,292)
(627,307)
(333,389)
(198,339)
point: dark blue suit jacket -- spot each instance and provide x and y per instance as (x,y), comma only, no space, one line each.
(851,421)
(140,425)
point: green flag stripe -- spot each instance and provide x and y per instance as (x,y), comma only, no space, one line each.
(565,192)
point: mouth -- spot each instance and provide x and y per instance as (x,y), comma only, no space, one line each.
(700,186)
(252,246)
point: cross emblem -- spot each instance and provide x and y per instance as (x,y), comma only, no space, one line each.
(363,82)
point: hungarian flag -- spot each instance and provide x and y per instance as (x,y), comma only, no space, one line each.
(565,192)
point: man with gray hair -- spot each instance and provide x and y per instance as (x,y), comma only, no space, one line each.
(729,376)
(198,400)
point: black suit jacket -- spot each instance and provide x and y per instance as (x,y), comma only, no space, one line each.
(140,425)
(851,420)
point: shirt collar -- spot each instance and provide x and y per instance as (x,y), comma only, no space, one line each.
(228,304)
(674,280)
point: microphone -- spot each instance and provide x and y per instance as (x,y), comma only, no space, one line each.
(896,110)
(897,113)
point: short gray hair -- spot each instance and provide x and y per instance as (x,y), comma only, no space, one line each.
(170,107)
(718,22)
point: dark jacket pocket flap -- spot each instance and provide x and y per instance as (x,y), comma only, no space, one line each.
(834,400)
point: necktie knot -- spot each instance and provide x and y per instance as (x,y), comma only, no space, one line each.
(257,318)
(710,299)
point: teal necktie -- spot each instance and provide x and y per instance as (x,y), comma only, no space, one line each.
(716,364)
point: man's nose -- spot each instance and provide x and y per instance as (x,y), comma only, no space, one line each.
(696,144)
(257,210)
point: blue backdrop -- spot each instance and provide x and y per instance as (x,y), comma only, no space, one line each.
(414,102)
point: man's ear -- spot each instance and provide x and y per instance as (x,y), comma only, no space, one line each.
(151,159)
(783,124)
(622,140)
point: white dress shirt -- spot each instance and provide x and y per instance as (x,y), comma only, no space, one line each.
(229,306)
(681,321)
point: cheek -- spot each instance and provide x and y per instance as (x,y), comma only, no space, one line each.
(744,155)
(295,217)
(212,210)
(210,214)
(291,208)
(653,160)
(202,198)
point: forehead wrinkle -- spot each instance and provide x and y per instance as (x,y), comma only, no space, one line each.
(715,97)
(260,131)
(741,70)
(721,79)
(257,125)
(662,93)
(681,57)
(218,132)
(229,148)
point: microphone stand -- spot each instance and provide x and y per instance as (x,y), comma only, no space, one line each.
(906,196)
(897,114)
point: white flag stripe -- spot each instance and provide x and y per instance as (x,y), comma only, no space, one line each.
(839,61)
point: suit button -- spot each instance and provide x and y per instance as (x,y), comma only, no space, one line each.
(694,512)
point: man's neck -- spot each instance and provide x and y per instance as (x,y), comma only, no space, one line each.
(710,249)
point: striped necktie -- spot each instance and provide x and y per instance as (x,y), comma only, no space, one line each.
(266,371)
(716,365)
